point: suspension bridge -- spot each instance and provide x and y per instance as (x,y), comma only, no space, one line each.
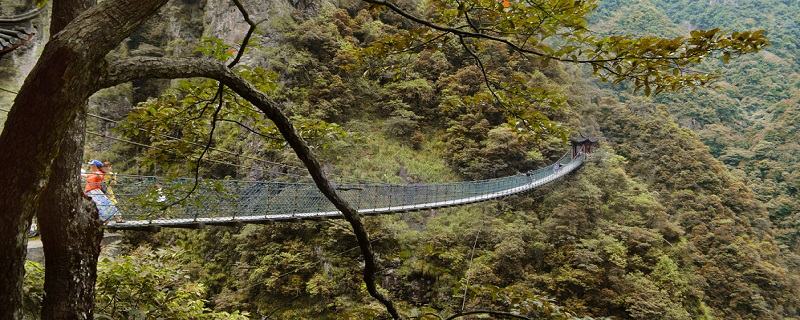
(144,203)
(147,205)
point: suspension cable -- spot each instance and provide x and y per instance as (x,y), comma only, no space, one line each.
(205,159)
(212,148)
(238,154)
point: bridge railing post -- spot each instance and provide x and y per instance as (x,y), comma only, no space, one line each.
(427,194)
(391,197)
(416,195)
(268,201)
(235,198)
(296,203)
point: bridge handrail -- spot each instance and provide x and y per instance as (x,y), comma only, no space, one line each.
(237,201)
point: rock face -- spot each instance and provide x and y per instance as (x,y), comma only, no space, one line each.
(223,19)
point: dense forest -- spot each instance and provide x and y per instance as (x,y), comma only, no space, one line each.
(689,210)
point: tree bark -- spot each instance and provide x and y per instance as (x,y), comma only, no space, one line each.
(46,106)
(68,221)
(71,233)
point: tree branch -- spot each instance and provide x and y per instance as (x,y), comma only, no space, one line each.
(126,70)
(454,31)
(206,147)
(247,36)
(684,57)
(251,130)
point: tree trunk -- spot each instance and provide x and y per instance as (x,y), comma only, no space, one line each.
(68,221)
(71,233)
(45,109)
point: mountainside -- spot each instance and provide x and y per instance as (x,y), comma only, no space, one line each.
(689,210)
(749,123)
(733,255)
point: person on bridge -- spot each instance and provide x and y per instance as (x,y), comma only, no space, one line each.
(94,181)
(110,178)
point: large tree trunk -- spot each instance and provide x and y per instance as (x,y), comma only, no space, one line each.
(45,109)
(68,220)
(71,233)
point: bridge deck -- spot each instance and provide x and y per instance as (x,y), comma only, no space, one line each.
(227,202)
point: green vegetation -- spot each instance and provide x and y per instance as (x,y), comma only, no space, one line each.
(750,123)
(718,213)
(148,284)
(690,211)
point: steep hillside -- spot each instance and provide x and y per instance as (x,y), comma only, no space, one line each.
(658,232)
(748,123)
(734,255)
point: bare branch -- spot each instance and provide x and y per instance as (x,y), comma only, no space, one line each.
(483,70)
(251,130)
(206,147)
(247,36)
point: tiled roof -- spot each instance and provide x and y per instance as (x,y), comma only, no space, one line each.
(16,30)
(14,35)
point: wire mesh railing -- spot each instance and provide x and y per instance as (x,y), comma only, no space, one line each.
(145,201)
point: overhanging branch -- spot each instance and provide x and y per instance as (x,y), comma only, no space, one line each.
(122,71)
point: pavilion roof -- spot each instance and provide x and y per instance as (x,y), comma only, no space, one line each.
(16,30)
(583,139)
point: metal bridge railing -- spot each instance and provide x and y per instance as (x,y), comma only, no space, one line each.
(141,202)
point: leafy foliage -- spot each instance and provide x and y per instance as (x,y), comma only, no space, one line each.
(178,124)
(144,285)
(749,123)
(151,284)
(719,214)
(33,290)
(546,31)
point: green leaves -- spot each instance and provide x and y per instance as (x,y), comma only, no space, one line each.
(658,64)
(178,123)
(517,301)
(151,285)
(548,30)
(33,290)
(215,48)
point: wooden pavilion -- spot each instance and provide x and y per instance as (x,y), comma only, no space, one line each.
(582,145)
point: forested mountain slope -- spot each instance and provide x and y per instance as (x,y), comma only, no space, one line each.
(750,122)
(733,254)
(652,227)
